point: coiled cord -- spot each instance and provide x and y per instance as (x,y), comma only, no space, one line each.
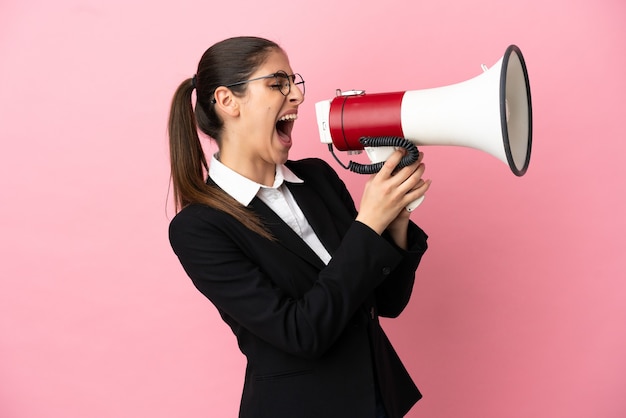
(381,141)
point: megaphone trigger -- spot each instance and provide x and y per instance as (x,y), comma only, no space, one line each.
(379,148)
(412,153)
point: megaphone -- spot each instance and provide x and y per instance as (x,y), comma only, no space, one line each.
(491,112)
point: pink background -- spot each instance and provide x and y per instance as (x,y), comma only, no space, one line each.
(520,304)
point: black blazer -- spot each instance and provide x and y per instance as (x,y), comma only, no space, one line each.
(310,332)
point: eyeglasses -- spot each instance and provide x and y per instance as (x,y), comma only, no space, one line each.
(282,82)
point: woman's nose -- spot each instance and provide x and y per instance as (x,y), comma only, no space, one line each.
(296,95)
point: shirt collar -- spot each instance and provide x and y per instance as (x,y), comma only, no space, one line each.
(242,188)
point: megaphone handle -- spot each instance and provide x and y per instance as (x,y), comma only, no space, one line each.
(381,154)
(411,206)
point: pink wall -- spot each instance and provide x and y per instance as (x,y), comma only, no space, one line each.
(520,305)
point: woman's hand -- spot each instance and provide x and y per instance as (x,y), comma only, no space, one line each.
(388,192)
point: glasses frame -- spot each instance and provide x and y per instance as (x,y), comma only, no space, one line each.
(291,78)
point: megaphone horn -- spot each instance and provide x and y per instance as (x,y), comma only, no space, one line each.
(491,112)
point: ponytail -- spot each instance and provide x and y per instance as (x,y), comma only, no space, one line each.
(189,166)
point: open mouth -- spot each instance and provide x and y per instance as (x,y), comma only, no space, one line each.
(284,125)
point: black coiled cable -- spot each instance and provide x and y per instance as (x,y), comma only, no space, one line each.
(381,141)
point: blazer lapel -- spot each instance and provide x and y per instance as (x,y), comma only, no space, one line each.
(284,235)
(317,213)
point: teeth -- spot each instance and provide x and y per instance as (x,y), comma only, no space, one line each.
(289,117)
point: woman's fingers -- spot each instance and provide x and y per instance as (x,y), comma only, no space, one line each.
(392,162)
(390,190)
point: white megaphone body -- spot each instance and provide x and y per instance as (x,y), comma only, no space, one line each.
(491,112)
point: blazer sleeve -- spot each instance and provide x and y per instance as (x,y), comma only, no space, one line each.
(394,293)
(215,251)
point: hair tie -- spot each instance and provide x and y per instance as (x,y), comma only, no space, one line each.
(193,81)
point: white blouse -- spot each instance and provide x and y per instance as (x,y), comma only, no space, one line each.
(278,198)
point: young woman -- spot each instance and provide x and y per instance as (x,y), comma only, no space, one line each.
(299,274)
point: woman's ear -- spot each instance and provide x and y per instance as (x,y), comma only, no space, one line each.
(226,101)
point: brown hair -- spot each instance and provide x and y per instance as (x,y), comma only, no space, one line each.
(226,62)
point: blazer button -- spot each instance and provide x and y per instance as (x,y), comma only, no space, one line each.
(386,271)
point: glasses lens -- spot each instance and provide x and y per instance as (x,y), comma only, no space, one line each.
(282,82)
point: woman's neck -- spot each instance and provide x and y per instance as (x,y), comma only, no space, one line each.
(257,170)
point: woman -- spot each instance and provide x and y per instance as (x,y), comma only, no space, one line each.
(279,248)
